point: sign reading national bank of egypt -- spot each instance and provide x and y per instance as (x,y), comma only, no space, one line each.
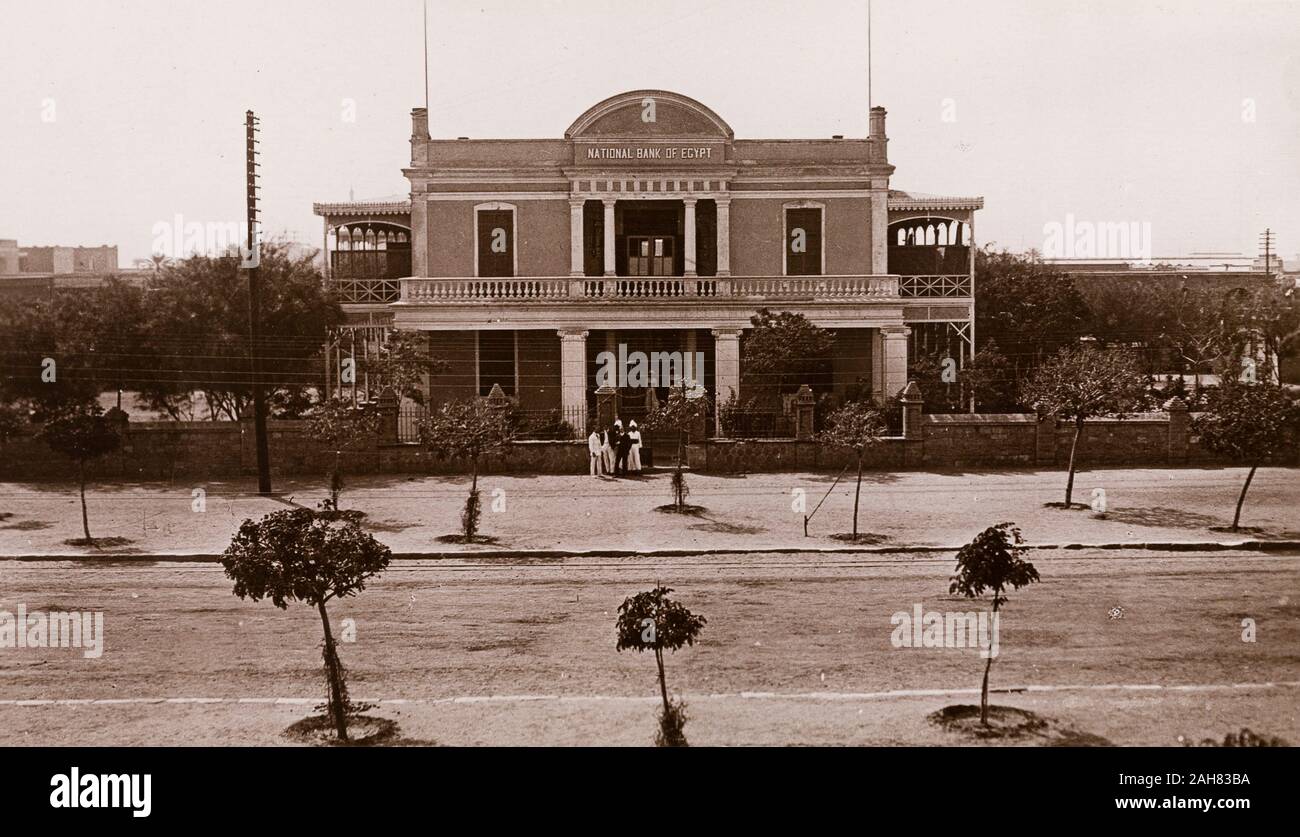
(671,153)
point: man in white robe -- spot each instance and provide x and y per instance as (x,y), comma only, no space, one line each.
(596,454)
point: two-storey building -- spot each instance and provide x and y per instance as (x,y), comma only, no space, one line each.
(648,226)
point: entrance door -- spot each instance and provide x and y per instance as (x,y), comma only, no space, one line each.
(650,255)
(646,237)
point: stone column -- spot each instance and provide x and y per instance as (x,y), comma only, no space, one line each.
(894,340)
(724,236)
(689,229)
(419,236)
(726,365)
(573,378)
(576,266)
(609,236)
(880,226)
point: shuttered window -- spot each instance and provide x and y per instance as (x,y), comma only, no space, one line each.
(496,242)
(803,242)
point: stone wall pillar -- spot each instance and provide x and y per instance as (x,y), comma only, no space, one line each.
(389,405)
(726,367)
(573,379)
(804,413)
(497,398)
(1179,431)
(913,404)
(1045,440)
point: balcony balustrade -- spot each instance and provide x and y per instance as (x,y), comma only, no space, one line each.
(419,291)
(368,277)
(929,287)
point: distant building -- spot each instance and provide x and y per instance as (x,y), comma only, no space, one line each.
(36,272)
(56,261)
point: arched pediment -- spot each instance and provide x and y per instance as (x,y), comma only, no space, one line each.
(628,115)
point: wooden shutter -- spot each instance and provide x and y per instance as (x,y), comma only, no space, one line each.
(808,262)
(496,227)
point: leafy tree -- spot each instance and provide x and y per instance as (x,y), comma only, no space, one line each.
(1029,308)
(200,330)
(12,421)
(990,378)
(402,363)
(857,425)
(730,414)
(298,555)
(1266,317)
(1199,321)
(47,352)
(117,321)
(943,391)
(781,352)
(1250,424)
(82,436)
(342,426)
(1125,309)
(1081,382)
(993,561)
(467,430)
(684,412)
(651,621)
(1197,328)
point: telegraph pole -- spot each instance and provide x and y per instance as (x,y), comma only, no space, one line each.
(1266,242)
(252,262)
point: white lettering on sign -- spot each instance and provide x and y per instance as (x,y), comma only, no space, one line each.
(651,153)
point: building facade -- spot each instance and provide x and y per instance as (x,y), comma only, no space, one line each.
(32,273)
(649,227)
(56,261)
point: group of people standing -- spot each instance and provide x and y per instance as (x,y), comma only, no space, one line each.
(614,451)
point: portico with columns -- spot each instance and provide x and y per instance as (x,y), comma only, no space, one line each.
(677,232)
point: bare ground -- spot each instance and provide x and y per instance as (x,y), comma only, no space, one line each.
(761,511)
(797,651)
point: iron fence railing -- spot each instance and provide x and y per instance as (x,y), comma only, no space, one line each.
(529,425)
(758,424)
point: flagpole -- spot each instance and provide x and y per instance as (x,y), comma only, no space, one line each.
(426,54)
(868,56)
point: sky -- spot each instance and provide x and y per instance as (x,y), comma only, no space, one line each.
(1184,115)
